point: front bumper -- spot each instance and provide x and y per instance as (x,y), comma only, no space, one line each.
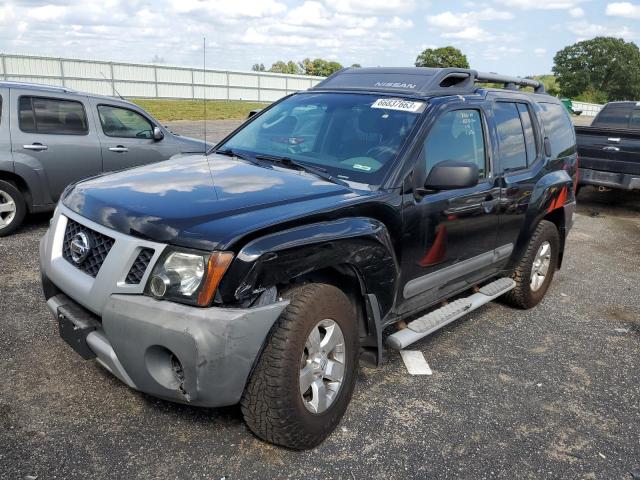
(609,179)
(201,356)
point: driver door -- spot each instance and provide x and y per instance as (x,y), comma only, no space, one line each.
(126,138)
(450,236)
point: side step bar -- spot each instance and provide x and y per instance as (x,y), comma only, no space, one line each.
(432,321)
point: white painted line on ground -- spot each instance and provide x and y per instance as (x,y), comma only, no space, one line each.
(415,362)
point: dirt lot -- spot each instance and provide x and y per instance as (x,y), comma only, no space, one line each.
(553,392)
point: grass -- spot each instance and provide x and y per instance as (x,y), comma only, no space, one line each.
(168,110)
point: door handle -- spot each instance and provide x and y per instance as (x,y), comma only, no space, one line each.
(488,203)
(609,148)
(38,147)
(119,149)
(614,139)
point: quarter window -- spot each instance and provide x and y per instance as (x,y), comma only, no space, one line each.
(614,116)
(513,150)
(51,116)
(633,123)
(125,123)
(559,129)
(456,135)
(529,134)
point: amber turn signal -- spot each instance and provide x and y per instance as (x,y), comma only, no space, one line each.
(216,268)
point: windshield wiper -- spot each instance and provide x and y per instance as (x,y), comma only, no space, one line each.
(291,163)
(229,152)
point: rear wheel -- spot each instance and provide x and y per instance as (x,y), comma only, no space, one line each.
(535,270)
(12,208)
(306,374)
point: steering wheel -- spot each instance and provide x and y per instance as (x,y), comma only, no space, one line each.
(381,152)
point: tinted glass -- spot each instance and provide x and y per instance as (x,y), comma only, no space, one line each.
(513,151)
(25,115)
(456,135)
(121,122)
(559,129)
(0,109)
(353,136)
(52,116)
(529,134)
(614,116)
(635,119)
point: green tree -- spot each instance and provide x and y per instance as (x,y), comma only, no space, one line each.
(442,57)
(258,67)
(319,67)
(603,69)
(280,66)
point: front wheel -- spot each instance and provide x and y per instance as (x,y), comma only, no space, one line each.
(534,271)
(306,374)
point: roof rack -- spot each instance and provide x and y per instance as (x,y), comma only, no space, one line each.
(36,86)
(420,80)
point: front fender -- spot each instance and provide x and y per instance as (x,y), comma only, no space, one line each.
(359,242)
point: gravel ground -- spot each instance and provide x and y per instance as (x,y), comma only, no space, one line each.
(552,392)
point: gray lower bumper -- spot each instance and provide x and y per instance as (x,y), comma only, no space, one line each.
(609,179)
(216,348)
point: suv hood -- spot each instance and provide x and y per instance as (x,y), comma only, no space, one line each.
(202,202)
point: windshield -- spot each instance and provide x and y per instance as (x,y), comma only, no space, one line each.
(354,137)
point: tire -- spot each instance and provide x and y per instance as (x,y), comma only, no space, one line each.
(525,295)
(10,198)
(272,404)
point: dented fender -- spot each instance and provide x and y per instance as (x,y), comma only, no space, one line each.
(358,242)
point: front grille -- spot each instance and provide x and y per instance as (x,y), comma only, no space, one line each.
(100,247)
(138,268)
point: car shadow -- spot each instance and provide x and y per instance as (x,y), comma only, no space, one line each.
(593,202)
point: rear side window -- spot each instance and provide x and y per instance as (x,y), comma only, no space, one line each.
(51,116)
(529,133)
(513,150)
(124,123)
(456,135)
(633,123)
(559,129)
(614,116)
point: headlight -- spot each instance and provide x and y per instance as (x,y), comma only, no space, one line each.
(188,276)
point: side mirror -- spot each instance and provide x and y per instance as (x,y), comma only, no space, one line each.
(158,134)
(450,174)
(253,112)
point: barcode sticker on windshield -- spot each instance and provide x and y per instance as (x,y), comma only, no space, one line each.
(399,104)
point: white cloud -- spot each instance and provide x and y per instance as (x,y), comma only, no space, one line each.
(47,13)
(576,12)
(585,30)
(623,9)
(540,52)
(450,20)
(468,33)
(232,9)
(541,4)
(372,7)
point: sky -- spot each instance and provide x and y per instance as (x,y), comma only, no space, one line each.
(515,37)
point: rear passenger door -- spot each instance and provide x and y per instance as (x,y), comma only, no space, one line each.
(53,137)
(519,160)
(126,137)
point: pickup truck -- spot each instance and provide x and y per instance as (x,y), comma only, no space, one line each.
(53,136)
(260,273)
(609,149)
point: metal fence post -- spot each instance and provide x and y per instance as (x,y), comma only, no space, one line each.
(113,81)
(228,85)
(62,72)
(155,79)
(4,66)
(193,84)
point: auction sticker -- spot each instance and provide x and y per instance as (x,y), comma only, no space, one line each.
(399,104)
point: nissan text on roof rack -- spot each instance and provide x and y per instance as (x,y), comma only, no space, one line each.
(262,272)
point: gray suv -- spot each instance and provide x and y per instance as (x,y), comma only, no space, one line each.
(52,136)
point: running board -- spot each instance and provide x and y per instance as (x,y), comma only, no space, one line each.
(432,321)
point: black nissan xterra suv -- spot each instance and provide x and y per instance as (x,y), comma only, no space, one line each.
(261,272)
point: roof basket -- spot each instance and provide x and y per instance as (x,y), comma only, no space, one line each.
(419,80)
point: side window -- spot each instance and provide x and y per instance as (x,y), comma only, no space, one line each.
(614,116)
(529,133)
(559,129)
(0,109)
(633,123)
(51,116)
(513,150)
(456,135)
(125,123)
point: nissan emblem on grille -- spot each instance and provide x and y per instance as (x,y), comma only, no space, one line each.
(80,246)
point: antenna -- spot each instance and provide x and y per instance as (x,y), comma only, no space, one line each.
(113,85)
(204,90)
